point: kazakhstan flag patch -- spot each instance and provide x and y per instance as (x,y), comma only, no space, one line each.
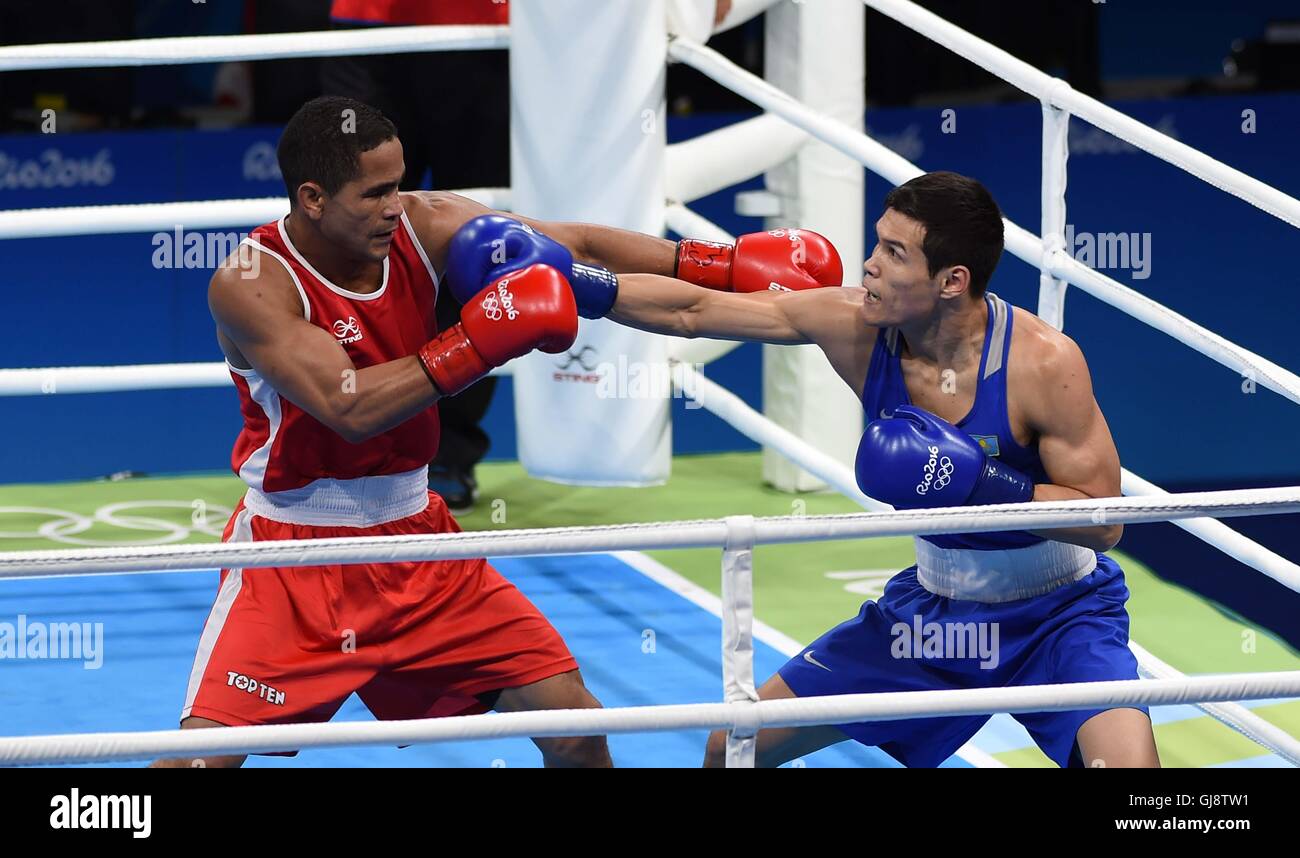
(989,443)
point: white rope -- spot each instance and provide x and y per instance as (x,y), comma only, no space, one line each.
(164,217)
(104,379)
(51,380)
(1222,537)
(1248,364)
(1234,715)
(706,533)
(809,711)
(1019,241)
(269,46)
(1059,93)
(141,217)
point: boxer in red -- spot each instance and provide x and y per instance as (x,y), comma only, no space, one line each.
(332,342)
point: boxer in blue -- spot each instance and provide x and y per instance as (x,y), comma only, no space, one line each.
(969,401)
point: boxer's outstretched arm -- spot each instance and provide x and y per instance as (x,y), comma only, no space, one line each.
(1074,442)
(262,317)
(667,306)
(620,250)
(436,215)
(663,305)
(828,318)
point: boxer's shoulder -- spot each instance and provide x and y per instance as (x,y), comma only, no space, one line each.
(436,216)
(1044,365)
(250,287)
(1038,347)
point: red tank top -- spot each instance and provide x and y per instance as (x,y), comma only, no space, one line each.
(282,447)
(421,11)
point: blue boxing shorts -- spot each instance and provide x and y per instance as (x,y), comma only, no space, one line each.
(913,640)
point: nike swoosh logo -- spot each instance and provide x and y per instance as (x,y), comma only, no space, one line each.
(808,657)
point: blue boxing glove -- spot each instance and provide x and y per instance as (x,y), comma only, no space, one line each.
(491,246)
(915,460)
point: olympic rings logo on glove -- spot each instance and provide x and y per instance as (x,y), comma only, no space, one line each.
(945,473)
(495,308)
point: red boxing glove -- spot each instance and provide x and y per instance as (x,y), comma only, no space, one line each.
(783,260)
(526,310)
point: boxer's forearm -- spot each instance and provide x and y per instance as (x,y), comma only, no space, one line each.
(378,398)
(657,304)
(1102,537)
(625,252)
(664,305)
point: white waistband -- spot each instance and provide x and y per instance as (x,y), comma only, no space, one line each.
(359,502)
(1003,575)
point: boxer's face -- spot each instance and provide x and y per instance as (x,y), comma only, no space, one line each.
(900,290)
(361,218)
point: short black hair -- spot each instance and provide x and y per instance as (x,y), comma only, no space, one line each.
(963,225)
(324,140)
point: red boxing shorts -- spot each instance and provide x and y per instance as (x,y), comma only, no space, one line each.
(413,640)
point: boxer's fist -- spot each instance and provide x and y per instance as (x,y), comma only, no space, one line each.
(530,309)
(492,246)
(781,260)
(915,460)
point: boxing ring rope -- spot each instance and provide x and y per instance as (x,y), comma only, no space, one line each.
(152,217)
(1216,533)
(737,717)
(734,411)
(265,46)
(1232,714)
(695,168)
(702,533)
